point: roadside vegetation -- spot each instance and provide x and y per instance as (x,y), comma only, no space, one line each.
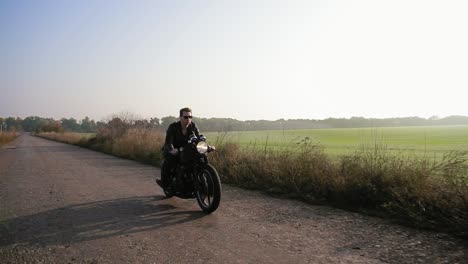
(120,136)
(417,190)
(68,137)
(423,192)
(6,137)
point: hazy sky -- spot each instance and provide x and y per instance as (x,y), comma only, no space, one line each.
(239,59)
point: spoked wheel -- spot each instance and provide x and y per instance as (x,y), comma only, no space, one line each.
(209,191)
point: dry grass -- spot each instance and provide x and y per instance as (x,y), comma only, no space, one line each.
(6,137)
(139,144)
(418,191)
(69,137)
(306,172)
(133,143)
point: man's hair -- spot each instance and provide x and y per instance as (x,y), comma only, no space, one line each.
(185,109)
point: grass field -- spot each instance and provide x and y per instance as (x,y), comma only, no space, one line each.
(433,140)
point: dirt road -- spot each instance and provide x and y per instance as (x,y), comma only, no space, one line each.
(64,204)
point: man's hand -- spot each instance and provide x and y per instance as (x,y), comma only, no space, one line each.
(174,152)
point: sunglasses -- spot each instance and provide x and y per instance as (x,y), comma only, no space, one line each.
(187,117)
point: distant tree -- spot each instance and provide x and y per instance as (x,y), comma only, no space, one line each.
(453,120)
(120,123)
(166,121)
(31,123)
(70,124)
(51,125)
(117,127)
(155,122)
(359,122)
(2,120)
(88,125)
(142,123)
(11,124)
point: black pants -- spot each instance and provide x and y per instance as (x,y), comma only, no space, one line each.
(167,167)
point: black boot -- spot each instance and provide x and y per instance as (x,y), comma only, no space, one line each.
(159,182)
(165,174)
(167,168)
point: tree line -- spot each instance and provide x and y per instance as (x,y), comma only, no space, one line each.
(226,124)
(40,124)
(87,125)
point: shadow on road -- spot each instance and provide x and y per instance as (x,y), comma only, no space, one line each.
(90,221)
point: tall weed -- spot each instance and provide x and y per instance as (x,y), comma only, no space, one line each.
(69,137)
(140,144)
(6,137)
(420,191)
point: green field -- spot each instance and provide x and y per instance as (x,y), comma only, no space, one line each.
(433,140)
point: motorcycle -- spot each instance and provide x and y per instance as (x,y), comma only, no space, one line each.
(194,177)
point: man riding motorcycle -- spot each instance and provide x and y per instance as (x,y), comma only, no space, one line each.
(177,135)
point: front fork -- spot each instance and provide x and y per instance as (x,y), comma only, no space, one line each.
(201,184)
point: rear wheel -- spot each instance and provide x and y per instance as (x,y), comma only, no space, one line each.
(209,189)
(168,193)
(166,190)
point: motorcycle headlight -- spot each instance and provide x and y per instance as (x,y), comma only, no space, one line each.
(202,147)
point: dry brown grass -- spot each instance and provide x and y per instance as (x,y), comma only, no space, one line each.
(305,172)
(69,137)
(420,192)
(132,143)
(6,137)
(139,144)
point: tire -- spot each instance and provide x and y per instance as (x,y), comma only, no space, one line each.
(168,193)
(209,193)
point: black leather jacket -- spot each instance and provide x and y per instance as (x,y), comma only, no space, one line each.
(175,138)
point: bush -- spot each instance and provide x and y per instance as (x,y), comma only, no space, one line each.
(6,137)
(418,191)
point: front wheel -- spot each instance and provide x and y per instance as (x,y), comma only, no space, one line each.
(209,189)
